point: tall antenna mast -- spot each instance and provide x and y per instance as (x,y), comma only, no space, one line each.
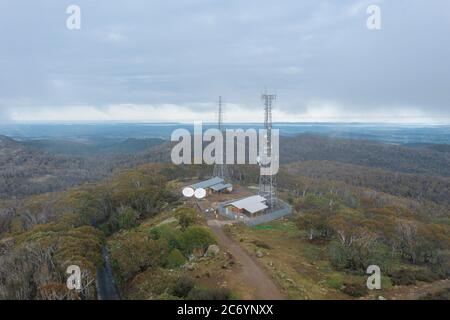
(220,169)
(267,183)
(220,115)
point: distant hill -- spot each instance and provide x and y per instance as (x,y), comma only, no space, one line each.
(24,171)
(365,153)
(33,167)
(415,186)
(94,146)
(40,166)
(306,147)
(7,142)
(431,146)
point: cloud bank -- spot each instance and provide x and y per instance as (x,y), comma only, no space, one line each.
(170,60)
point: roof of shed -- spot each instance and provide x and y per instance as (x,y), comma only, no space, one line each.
(207,183)
(221,186)
(251,204)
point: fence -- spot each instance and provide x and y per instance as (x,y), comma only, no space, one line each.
(283,210)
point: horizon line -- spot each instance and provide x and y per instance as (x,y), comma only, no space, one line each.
(94,122)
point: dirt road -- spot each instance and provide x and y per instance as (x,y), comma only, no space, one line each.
(106,285)
(250,272)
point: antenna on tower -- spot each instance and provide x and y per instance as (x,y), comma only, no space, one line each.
(267,183)
(220,169)
(220,115)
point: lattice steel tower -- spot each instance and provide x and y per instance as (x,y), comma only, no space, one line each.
(221,170)
(267,183)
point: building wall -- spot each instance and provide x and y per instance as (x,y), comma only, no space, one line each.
(285,210)
(233,209)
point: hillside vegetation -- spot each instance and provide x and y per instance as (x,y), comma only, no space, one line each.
(365,153)
(24,171)
(355,203)
(42,235)
(35,167)
(39,166)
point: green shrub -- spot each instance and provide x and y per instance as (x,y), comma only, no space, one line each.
(194,238)
(335,280)
(126,218)
(315,224)
(426,275)
(209,294)
(185,288)
(312,202)
(182,287)
(132,253)
(150,284)
(357,256)
(166,296)
(403,277)
(354,289)
(185,216)
(441,265)
(175,259)
(167,233)
(386,282)
(123,218)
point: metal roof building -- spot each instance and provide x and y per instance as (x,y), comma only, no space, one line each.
(221,186)
(228,209)
(251,204)
(208,183)
(215,184)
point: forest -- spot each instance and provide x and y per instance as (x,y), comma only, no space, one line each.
(359,203)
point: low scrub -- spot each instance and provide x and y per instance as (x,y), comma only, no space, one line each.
(354,289)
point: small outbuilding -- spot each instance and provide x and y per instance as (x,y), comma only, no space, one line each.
(249,206)
(214,184)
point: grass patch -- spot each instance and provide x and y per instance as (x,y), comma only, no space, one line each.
(263,227)
(335,280)
(283,226)
(296,265)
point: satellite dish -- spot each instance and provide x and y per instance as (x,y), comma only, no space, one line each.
(188,192)
(200,193)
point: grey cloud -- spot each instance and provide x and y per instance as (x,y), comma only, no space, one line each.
(188,52)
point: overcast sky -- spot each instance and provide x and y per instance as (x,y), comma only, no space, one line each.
(148,60)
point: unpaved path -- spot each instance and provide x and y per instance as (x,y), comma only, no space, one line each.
(106,284)
(250,272)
